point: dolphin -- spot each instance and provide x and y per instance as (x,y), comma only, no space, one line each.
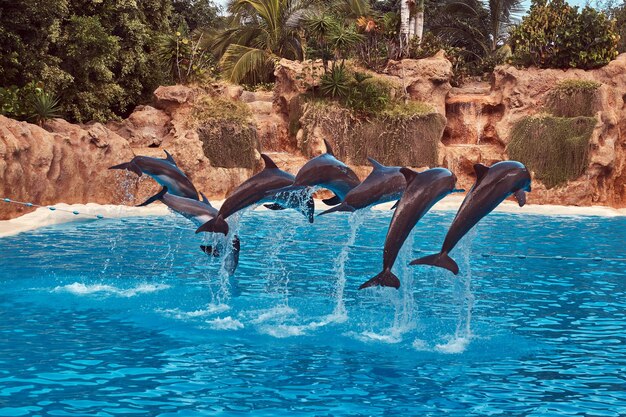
(164,171)
(327,172)
(422,191)
(381,185)
(259,189)
(493,185)
(198,212)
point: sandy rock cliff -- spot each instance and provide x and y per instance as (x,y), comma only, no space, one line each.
(63,162)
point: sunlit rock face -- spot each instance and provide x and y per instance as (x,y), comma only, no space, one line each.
(65,163)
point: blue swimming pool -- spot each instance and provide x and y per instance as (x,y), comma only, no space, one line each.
(128,317)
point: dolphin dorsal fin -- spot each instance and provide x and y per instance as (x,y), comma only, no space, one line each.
(205,200)
(481,170)
(269,164)
(375,163)
(329,149)
(169,158)
(409,174)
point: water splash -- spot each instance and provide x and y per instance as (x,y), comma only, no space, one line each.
(401,303)
(81,289)
(463,300)
(340,314)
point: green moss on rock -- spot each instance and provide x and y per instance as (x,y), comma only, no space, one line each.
(227,133)
(555,148)
(573,98)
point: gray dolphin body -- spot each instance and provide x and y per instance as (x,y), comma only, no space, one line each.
(255,190)
(199,212)
(328,172)
(422,191)
(381,185)
(493,185)
(164,171)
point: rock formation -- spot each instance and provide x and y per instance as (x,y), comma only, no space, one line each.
(68,163)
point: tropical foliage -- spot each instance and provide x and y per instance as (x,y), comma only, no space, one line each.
(99,57)
(259,33)
(556,35)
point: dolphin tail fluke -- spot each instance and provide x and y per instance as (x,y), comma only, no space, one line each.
(216,225)
(157,196)
(128,166)
(442,260)
(384,279)
(340,207)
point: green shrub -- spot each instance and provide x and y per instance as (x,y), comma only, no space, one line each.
(355,90)
(368,94)
(30,102)
(43,106)
(555,35)
(572,98)
(336,82)
(555,148)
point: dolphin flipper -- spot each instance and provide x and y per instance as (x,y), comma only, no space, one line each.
(216,225)
(333,201)
(210,250)
(128,166)
(341,207)
(520,196)
(157,196)
(274,206)
(384,279)
(442,260)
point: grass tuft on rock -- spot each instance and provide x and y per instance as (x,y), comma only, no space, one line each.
(227,132)
(573,98)
(555,148)
(401,135)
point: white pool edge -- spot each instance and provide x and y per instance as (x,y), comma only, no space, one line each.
(45,217)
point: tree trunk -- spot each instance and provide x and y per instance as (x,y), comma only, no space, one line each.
(412,27)
(404,24)
(419,21)
(419,26)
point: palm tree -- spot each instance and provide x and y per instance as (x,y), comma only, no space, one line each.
(260,33)
(500,15)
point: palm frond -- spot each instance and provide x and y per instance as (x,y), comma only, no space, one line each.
(241,62)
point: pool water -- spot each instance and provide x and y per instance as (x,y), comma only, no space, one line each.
(128,317)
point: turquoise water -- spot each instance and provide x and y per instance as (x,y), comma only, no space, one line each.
(121,317)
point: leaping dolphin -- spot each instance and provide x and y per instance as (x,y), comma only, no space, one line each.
(259,188)
(493,185)
(198,212)
(422,191)
(164,171)
(328,172)
(381,185)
